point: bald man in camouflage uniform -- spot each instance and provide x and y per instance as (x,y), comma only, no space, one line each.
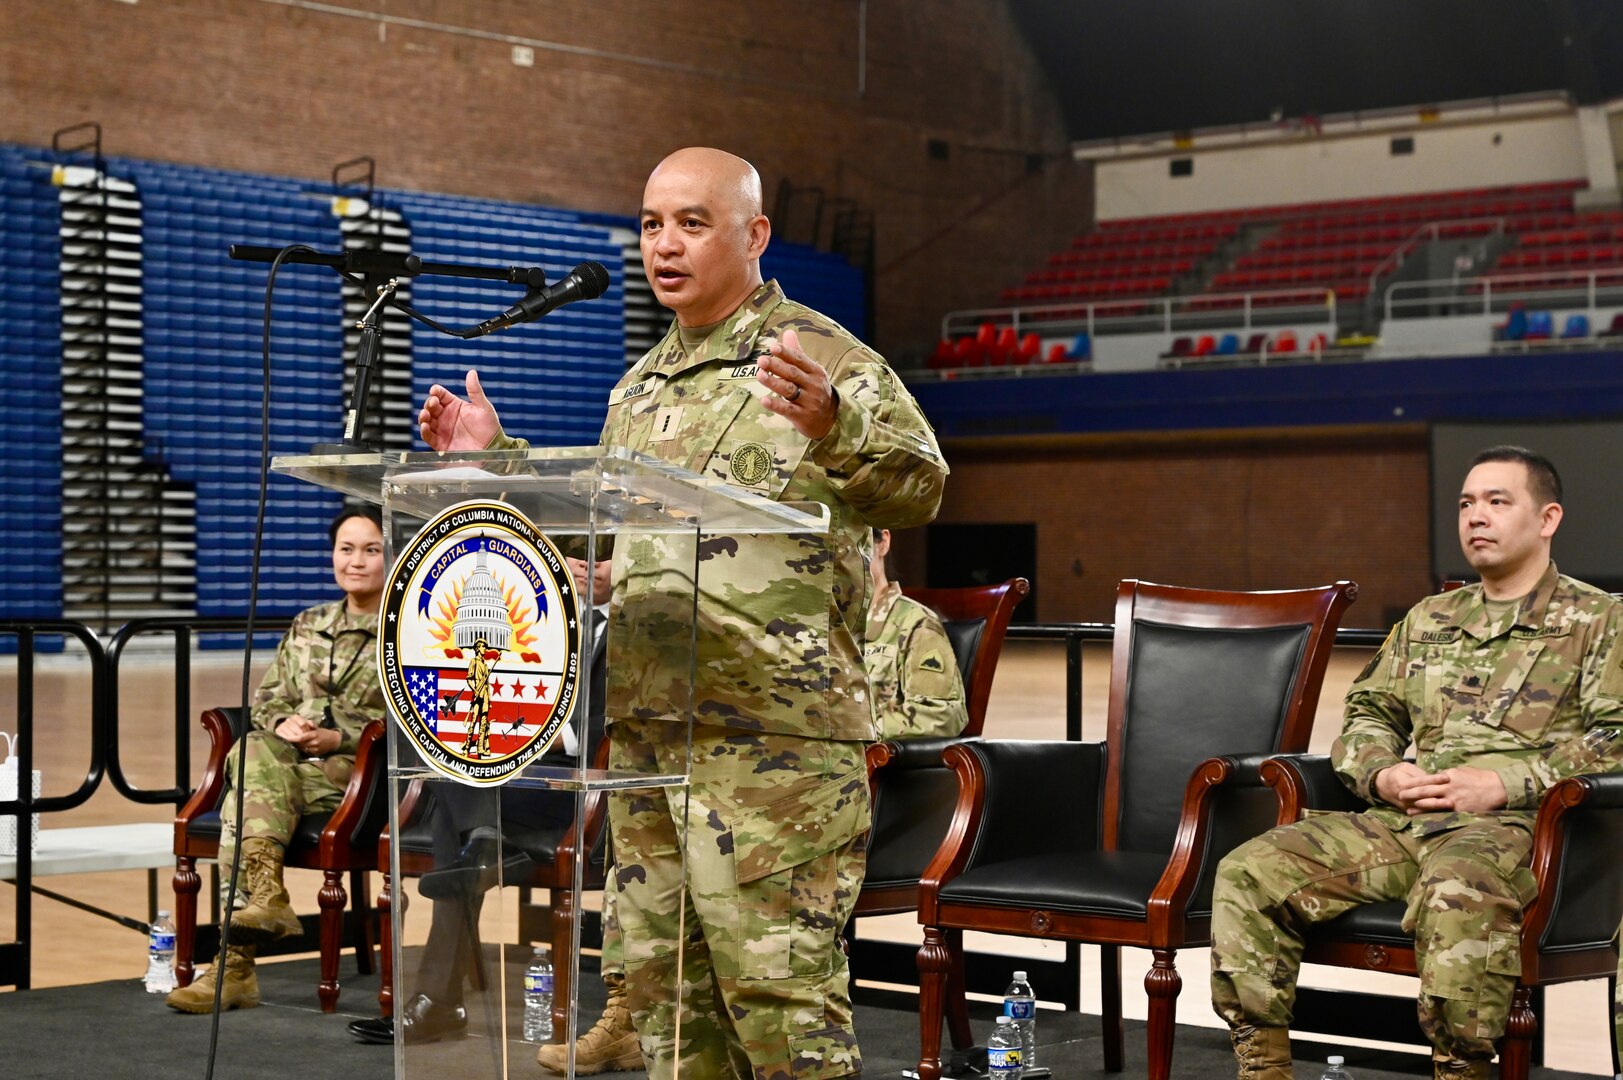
(917,688)
(758,391)
(1503,688)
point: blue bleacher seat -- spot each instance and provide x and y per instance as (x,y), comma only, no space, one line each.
(1576,326)
(1540,325)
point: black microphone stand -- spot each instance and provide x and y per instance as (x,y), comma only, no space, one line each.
(381,272)
(367,353)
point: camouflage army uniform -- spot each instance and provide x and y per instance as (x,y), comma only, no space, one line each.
(913,674)
(324,662)
(1515,695)
(778,801)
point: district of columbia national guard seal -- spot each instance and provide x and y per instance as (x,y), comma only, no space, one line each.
(751,463)
(479,643)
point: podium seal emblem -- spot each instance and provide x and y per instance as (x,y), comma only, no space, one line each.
(479,649)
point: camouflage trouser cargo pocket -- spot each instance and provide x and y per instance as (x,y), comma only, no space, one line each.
(1467,909)
(794,861)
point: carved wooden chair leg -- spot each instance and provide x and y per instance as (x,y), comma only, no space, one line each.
(935,962)
(386,945)
(562,903)
(1162,982)
(1516,1049)
(332,900)
(186,883)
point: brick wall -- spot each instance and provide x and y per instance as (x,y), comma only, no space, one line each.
(1267,513)
(280,87)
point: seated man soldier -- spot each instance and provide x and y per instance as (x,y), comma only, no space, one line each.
(471,856)
(912,672)
(1503,688)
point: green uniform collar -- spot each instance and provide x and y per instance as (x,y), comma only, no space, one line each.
(733,341)
(883,603)
(336,619)
(1471,613)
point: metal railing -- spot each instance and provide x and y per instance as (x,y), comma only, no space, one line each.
(1488,295)
(1430,233)
(1164,313)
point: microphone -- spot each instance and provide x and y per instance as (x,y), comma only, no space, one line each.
(586,282)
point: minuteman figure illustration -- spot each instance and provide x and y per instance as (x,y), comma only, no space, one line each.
(478,738)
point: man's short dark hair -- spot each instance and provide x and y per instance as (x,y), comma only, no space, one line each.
(370,513)
(1542,479)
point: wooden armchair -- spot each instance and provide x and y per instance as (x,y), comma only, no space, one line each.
(1567,932)
(1104,842)
(339,843)
(554,853)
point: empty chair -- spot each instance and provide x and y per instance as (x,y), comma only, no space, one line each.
(1082,346)
(1204,346)
(1615,329)
(1540,326)
(1227,345)
(1284,342)
(1030,346)
(1131,828)
(1003,348)
(1255,342)
(1056,353)
(1180,347)
(1576,326)
(943,356)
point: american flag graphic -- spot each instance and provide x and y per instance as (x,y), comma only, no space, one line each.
(520,703)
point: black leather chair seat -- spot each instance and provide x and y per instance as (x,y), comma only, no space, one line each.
(1109,883)
(307,833)
(1379,924)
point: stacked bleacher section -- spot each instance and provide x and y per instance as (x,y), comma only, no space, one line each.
(1311,255)
(31,385)
(200,385)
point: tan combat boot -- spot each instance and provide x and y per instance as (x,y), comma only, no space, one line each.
(1461,1070)
(611,1045)
(241,985)
(1262,1053)
(269,914)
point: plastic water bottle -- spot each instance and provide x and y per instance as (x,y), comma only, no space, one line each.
(1333,1069)
(1004,1055)
(538,999)
(160,976)
(1020,1006)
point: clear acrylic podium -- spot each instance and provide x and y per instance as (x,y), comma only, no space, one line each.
(589,501)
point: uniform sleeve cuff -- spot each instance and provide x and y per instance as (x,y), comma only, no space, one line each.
(845,439)
(1521,787)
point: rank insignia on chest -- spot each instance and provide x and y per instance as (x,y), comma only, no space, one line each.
(751,463)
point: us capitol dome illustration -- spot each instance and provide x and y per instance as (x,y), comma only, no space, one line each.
(482,613)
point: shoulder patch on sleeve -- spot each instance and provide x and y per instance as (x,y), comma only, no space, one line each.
(1380,654)
(931,661)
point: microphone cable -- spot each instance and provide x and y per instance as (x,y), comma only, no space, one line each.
(248,650)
